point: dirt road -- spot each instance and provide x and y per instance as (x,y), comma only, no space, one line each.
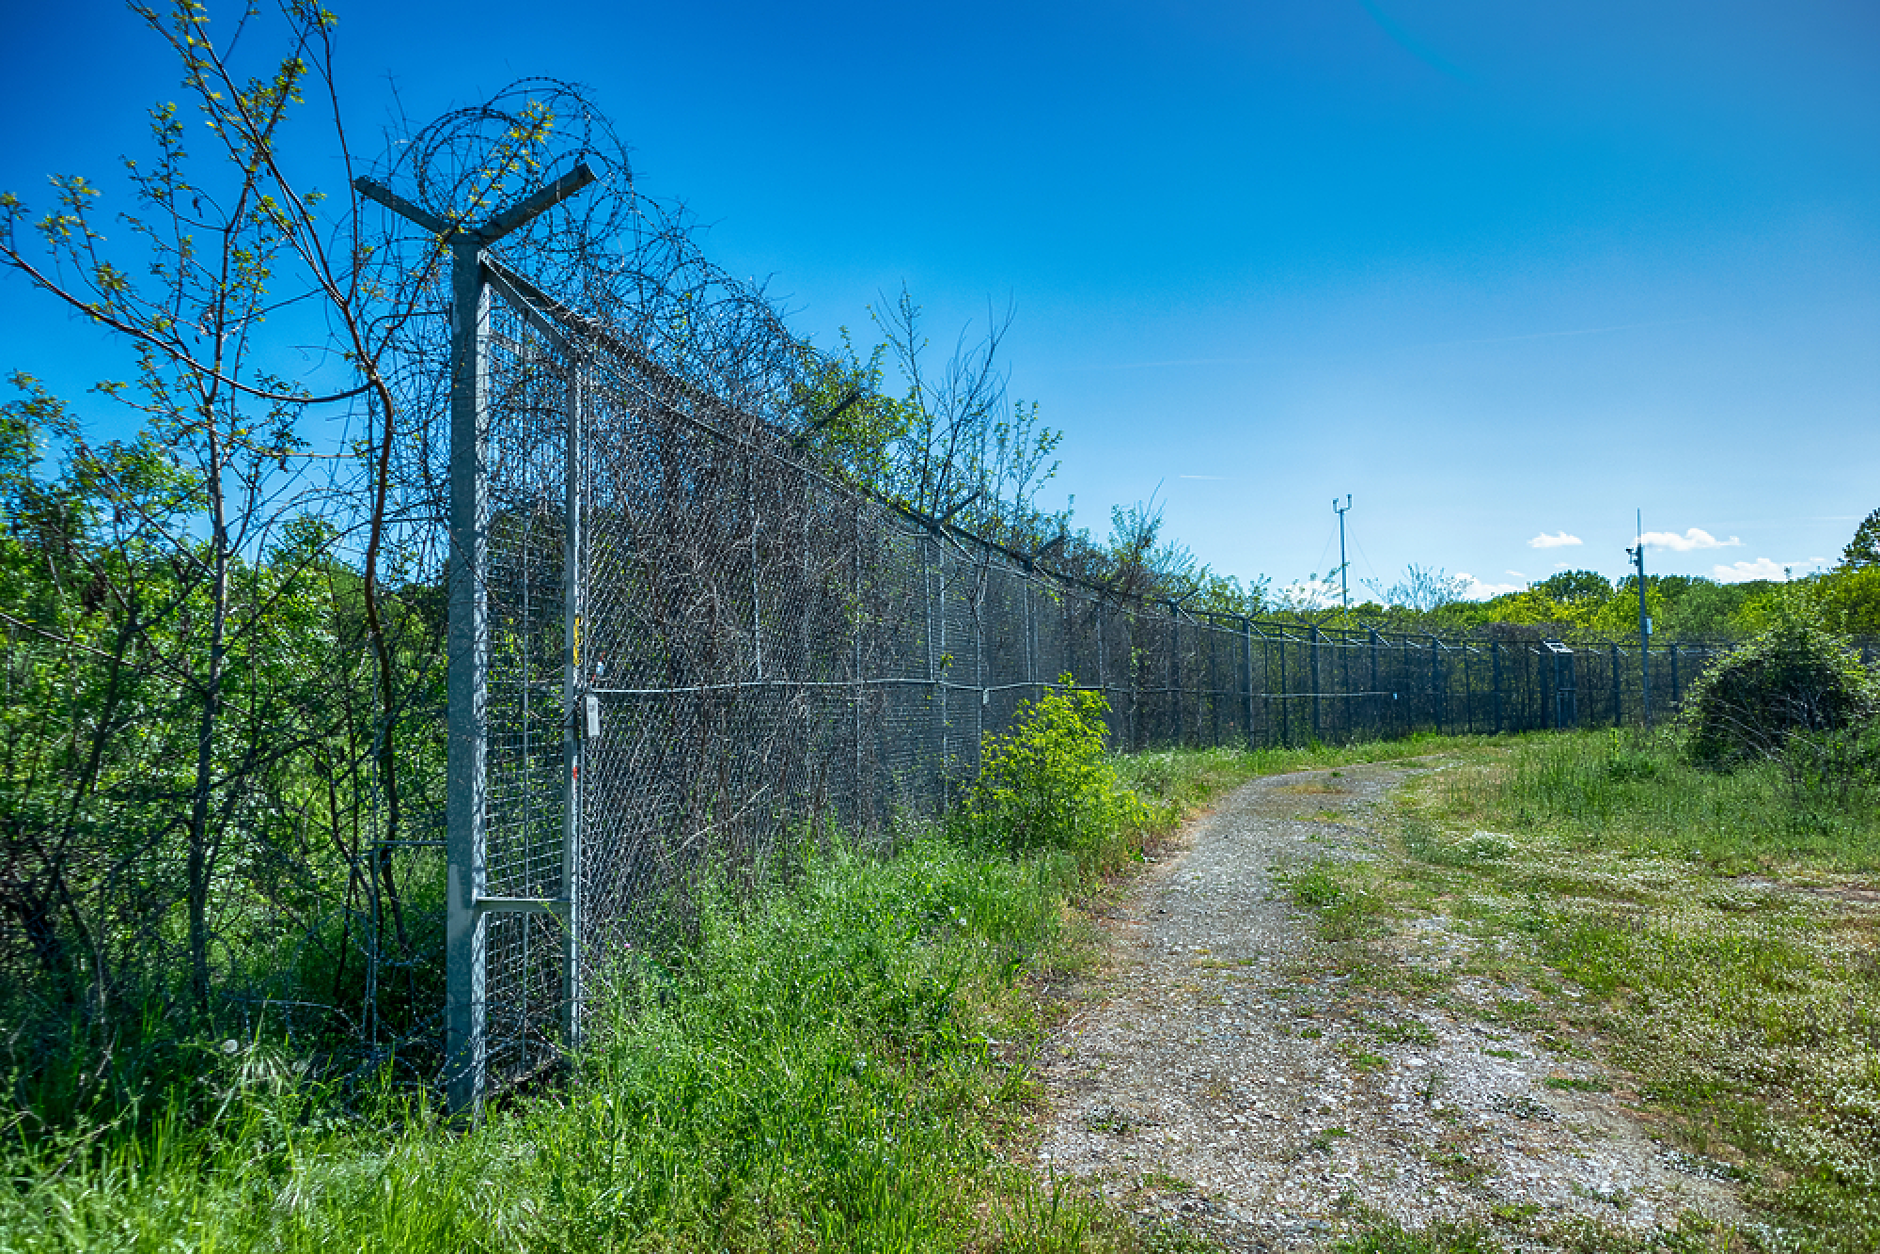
(1220,1076)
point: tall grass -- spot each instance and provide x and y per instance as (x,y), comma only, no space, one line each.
(1706,931)
(817,1069)
(1637,792)
(833,1061)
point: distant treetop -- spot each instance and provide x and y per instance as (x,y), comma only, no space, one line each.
(1863,551)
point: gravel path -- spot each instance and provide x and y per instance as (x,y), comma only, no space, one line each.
(1220,1078)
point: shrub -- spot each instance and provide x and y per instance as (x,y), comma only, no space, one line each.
(1792,678)
(1045,782)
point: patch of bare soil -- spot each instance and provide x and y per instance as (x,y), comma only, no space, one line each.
(1221,1080)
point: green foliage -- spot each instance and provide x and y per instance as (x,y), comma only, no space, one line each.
(811,1071)
(1046,783)
(188,791)
(1792,678)
(1570,586)
(826,1064)
(1848,600)
(1680,606)
(113,600)
(1863,551)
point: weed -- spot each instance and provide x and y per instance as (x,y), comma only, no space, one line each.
(1458,1164)
(1398,1031)
(1163,1182)
(1382,1235)
(1322,1141)
(1343,913)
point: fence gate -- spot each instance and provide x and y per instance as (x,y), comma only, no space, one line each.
(1565,685)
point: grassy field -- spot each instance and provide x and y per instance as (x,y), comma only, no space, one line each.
(832,1064)
(1712,937)
(837,1063)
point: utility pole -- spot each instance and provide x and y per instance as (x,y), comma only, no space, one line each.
(1344,567)
(1644,624)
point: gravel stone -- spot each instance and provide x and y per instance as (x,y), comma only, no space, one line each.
(1185,1091)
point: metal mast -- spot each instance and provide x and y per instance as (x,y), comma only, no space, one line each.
(1344,567)
(1644,623)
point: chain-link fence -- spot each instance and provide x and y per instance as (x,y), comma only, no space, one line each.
(697,642)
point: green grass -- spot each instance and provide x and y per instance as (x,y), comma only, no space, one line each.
(838,1061)
(1386,1236)
(1694,930)
(813,1071)
(1181,781)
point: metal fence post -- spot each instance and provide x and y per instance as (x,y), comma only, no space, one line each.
(1246,646)
(1175,671)
(1618,694)
(1437,704)
(857,692)
(467,670)
(1344,682)
(934,584)
(1285,712)
(1550,697)
(1316,688)
(979,665)
(467,691)
(1494,655)
(574,714)
(1377,701)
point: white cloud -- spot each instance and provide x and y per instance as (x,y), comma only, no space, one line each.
(1560,541)
(1738,572)
(1479,591)
(1695,538)
(1309,594)
(1517,574)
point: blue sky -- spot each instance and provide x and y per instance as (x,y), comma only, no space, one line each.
(1503,272)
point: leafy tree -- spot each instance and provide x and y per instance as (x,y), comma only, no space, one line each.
(1863,551)
(952,447)
(1848,599)
(1571,586)
(1421,589)
(207,656)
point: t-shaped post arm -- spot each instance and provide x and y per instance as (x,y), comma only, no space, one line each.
(500,223)
(468,904)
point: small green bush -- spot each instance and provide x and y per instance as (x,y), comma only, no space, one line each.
(1792,678)
(1046,783)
